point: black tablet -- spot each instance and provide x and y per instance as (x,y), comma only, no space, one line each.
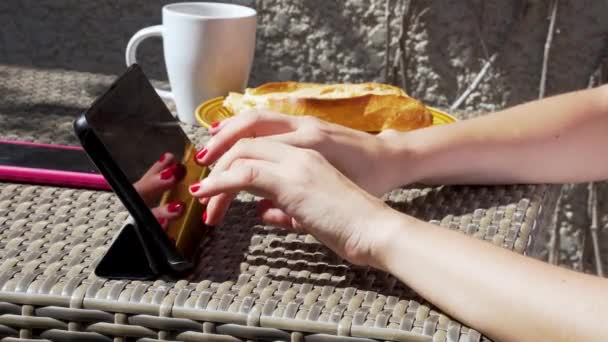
(125,132)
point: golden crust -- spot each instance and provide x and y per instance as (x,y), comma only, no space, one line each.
(370,107)
(325,90)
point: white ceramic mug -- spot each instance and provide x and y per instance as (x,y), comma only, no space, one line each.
(208,50)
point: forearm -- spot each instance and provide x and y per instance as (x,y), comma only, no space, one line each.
(507,296)
(556,140)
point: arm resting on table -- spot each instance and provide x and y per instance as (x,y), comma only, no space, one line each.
(560,139)
(507,296)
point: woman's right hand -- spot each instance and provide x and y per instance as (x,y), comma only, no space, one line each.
(364,158)
(360,156)
(302,191)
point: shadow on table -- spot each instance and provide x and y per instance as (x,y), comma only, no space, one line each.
(434,204)
(41,108)
(244,245)
(28,92)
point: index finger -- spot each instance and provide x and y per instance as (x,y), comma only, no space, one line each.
(251,124)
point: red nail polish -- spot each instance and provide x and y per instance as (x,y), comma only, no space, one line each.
(175,207)
(215,124)
(264,205)
(162,157)
(162,221)
(195,187)
(204,217)
(167,173)
(179,171)
(201,154)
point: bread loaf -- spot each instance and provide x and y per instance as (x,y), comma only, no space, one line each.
(370,107)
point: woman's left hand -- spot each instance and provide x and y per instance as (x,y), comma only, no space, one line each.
(303,191)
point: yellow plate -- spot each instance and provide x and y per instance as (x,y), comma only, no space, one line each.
(212,111)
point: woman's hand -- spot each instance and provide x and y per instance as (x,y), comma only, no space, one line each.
(368,160)
(361,156)
(303,191)
(160,177)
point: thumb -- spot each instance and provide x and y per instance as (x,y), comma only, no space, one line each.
(275,216)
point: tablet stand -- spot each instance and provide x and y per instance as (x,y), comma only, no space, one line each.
(131,256)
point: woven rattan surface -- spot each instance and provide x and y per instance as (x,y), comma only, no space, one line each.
(252,281)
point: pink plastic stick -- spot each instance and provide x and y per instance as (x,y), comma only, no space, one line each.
(27,143)
(53,177)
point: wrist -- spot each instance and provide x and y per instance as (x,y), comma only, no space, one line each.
(392,230)
(408,158)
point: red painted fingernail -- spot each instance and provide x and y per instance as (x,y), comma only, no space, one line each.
(264,205)
(195,187)
(179,171)
(201,154)
(162,221)
(175,207)
(204,217)
(215,124)
(167,173)
(162,157)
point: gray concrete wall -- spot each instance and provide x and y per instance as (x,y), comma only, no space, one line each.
(344,41)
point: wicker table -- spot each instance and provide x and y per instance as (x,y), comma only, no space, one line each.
(252,281)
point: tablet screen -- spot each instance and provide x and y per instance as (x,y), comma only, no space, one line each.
(150,148)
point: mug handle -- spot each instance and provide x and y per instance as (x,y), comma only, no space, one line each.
(131,51)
